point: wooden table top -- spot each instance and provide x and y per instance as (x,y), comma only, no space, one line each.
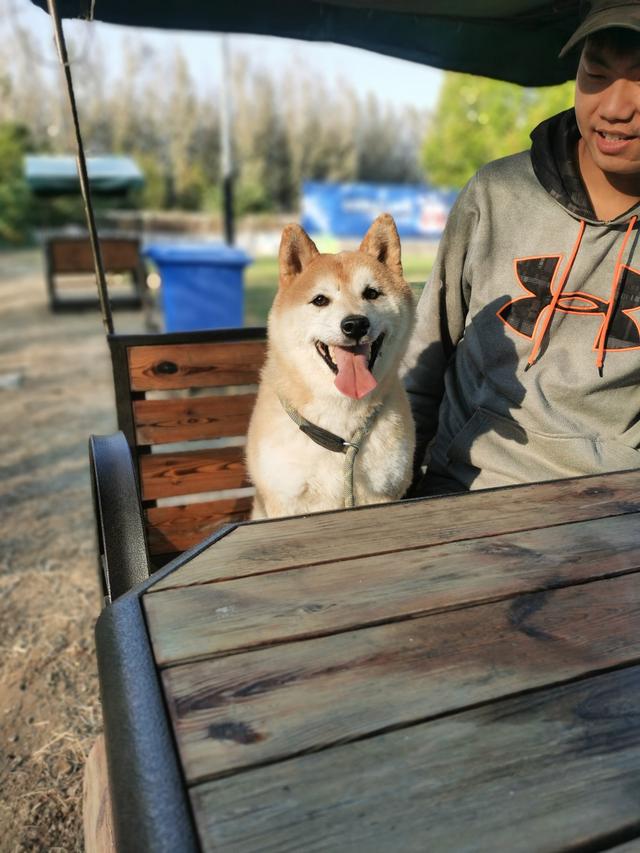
(458,673)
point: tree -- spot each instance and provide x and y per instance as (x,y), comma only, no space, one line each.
(321,128)
(388,140)
(15,199)
(478,120)
(261,144)
(288,128)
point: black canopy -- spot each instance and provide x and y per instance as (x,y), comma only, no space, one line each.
(515,40)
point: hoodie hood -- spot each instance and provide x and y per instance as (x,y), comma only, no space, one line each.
(554,161)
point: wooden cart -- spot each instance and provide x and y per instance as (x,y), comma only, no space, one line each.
(446,674)
(438,674)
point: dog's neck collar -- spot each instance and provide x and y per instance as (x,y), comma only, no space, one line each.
(326,439)
(335,443)
(329,440)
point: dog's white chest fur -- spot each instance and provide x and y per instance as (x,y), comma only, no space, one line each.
(304,477)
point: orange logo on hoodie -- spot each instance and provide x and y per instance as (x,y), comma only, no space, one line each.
(536,277)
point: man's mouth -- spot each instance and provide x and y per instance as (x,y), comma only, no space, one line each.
(613,143)
(614,137)
(369,350)
(352,366)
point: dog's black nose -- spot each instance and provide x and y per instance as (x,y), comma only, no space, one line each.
(355,326)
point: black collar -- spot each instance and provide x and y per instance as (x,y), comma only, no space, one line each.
(326,439)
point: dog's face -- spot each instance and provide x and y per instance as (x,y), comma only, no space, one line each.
(343,321)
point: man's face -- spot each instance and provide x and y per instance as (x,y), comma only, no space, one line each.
(608,109)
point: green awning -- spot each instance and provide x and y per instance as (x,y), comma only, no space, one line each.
(59,175)
(515,40)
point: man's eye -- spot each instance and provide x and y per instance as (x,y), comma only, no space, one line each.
(594,72)
(320,300)
(371,293)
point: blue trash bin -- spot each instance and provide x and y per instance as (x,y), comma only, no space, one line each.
(202,286)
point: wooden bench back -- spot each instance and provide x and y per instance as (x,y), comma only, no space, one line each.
(69,260)
(184,401)
(74,255)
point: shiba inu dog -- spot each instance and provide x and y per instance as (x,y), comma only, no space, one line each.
(332,425)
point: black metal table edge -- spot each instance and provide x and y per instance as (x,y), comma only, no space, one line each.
(150,804)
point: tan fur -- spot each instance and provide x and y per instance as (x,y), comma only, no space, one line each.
(291,473)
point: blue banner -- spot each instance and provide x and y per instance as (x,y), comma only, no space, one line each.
(347,210)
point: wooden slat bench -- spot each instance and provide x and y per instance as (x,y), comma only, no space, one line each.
(184,401)
(67,257)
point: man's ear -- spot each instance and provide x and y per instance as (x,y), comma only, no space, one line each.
(297,250)
(382,242)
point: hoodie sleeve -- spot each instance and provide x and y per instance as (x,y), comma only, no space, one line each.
(441,314)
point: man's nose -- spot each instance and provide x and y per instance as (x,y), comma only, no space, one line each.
(619,102)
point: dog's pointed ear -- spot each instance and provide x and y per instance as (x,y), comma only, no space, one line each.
(382,242)
(297,250)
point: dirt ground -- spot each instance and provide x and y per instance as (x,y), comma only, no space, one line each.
(55,390)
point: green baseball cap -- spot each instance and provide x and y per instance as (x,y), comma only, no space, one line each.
(602,14)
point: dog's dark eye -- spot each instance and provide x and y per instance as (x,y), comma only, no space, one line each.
(320,300)
(371,293)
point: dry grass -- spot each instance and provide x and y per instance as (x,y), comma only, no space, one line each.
(49,600)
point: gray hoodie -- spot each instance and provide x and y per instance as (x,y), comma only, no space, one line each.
(525,364)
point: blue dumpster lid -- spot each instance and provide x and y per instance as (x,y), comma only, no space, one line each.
(196,253)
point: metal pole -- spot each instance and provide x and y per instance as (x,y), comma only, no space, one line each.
(226,145)
(103,294)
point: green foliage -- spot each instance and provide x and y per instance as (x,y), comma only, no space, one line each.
(212,200)
(192,187)
(153,194)
(286,130)
(20,212)
(478,120)
(251,195)
(58,211)
(15,199)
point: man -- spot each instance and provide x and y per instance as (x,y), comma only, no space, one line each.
(525,365)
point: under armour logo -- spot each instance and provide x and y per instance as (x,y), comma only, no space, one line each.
(535,276)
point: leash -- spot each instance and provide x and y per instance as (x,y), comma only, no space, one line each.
(335,443)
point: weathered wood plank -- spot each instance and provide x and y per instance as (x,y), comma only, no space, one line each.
(549,771)
(192,419)
(97,815)
(175,366)
(193,471)
(264,547)
(256,707)
(176,528)
(214,618)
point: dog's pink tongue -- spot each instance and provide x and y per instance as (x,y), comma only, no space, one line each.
(354,377)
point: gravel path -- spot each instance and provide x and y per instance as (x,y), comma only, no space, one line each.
(55,390)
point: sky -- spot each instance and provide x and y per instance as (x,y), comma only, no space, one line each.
(393,80)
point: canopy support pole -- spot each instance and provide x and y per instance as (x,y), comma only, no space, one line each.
(226,144)
(103,293)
